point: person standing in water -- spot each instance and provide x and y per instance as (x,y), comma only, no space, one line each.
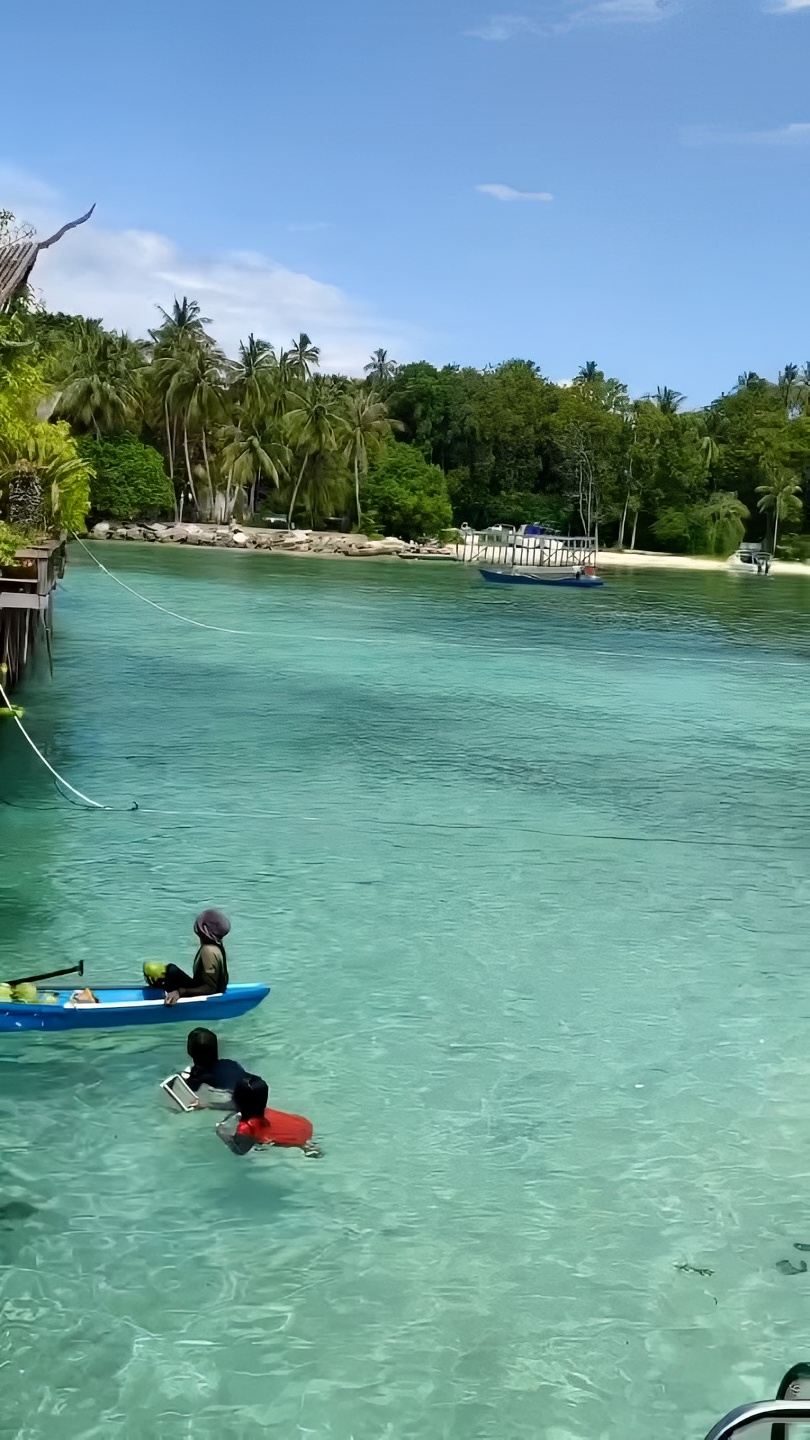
(212,1077)
(253,1124)
(210,976)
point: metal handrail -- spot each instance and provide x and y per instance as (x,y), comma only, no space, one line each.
(778,1411)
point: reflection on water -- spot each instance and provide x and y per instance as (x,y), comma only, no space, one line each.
(528,875)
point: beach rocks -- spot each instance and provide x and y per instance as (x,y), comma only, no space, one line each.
(296,542)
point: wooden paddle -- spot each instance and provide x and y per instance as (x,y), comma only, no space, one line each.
(50,975)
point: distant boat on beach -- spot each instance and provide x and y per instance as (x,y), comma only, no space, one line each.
(751,559)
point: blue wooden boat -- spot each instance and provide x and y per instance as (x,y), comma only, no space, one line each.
(567,580)
(128,1005)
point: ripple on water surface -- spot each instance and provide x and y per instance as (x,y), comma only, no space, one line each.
(527,874)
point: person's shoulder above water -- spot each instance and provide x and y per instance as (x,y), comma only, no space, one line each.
(226,1074)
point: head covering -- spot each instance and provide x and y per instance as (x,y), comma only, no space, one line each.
(212,926)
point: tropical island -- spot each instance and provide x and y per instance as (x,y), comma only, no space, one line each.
(98,426)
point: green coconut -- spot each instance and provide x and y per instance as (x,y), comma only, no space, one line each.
(5,991)
(25,994)
(50,998)
(154,970)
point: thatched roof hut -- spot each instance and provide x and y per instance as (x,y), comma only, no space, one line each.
(17,260)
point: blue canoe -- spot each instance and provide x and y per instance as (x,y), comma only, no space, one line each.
(130,1005)
(525,577)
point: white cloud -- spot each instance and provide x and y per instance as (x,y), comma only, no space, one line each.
(788,7)
(627,10)
(508,194)
(797,133)
(505,27)
(121,276)
(570,14)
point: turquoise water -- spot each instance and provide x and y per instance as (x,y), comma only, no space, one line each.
(529,875)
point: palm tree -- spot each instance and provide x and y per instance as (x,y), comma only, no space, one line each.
(196,392)
(805,386)
(779,495)
(253,372)
(711,452)
(725,516)
(249,455)
(668,401)
(181,327)
(100,389)
(367,424)
(748,380)
(787,386)
(380,369)
(54,479)
(588,373)
(302,357)
(182,322)
(313,425)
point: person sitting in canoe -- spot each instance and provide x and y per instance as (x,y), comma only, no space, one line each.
(210,975)
(254,1124)
(212,1079)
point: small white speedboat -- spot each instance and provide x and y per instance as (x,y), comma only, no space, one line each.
(751,560)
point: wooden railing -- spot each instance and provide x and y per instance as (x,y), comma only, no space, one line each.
(487,547)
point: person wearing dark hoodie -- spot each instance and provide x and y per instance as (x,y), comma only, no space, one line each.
(212,1077)
(210,975)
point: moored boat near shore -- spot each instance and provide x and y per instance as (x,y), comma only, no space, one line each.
(573,579)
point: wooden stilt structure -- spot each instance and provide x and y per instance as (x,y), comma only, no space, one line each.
(26,604)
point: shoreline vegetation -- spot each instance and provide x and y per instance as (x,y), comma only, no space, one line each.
(97,425)
(328,545)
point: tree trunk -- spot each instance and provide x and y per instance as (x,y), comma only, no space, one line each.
(296,488)
(620,541)
(357,489)
(207,466)
(775,527)
(205,459)
(635,528)
(169,444)
(188,465)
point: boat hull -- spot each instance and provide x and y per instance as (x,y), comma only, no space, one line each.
(564,582)
(123,1006)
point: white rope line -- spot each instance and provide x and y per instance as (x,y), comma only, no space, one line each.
(200,624)
(93,804)
(481,827)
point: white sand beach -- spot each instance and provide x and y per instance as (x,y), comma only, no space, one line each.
(652,560)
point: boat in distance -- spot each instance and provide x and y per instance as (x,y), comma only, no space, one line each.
(570,580)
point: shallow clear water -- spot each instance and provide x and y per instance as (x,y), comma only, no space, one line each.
(529,875)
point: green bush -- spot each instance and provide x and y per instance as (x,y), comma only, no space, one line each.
(682,531)
(130,482)
(794,547)
(405,496)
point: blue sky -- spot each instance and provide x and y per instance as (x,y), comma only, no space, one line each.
(323,166)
